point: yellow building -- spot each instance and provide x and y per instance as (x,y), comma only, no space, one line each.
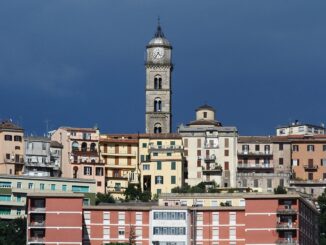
(119,152)
(161,162)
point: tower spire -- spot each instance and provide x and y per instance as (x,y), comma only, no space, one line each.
(159,32)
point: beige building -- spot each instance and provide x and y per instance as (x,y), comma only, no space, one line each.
(209,149)
(264,162)
(161,162)
(80,154)
(119,152)
(14,190)
(11,148)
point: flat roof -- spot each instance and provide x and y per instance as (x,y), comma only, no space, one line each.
(49,194)
(59,179)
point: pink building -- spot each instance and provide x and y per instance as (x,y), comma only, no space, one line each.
(190,219)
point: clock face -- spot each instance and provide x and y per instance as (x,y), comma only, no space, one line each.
(158,53)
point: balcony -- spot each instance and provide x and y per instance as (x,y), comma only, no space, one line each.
(310,167)
(217,169)
(255,153)
(287,241)
(42,165)
(120,154)
(16,160)
(256,166)
(211,158)
(84,153)
(120,166)
(37,224)
(211,146)
(36,239)
(38,209)
(165,148)
(286,211)
(286,226)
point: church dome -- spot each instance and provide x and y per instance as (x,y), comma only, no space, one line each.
(159,38)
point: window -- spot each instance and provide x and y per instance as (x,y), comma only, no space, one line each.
(30,185)
(106,233)
(99,183)
(310,176)
(199,232)
(173,179)
(226,153)
(310,148)
(215,218)
(157,105)
(144,145)
(185,153)
(226,143)
(106,218)
(280,146)
(172,142)
(257,147)
(198,152)
(215,233)
(159,165)
(8,137)
(323,162)
(121,217)
(84,146)
(256,183)
(199,143)
(99,171)
(158,191)
(198,163)
(157,82)
(17,138)
(76,188)
(267,148)
(245,148)
(232,233)
(139,218)
(295,162)
(19,211)
(226,165)
(19,185)
(87,170)
(185,142)
(257,160)
(157,128)
(155,154)
(282,182)
(42,186)
(146,167)
(173,166)
(204,114)
(169,154)
(295,148)
(158,179)
(324,147)
(64,187)
(52,187)
(8,156)
(117,187)
(199,218)
(139,232)
(280,161)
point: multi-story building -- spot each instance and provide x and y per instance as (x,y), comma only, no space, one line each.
(54,218)
(161,162)
(80,154)
(309,157)
(14,189)
(11,148)
(119,152)
(192,219)
(298,128)
(264,162)
(42,157)
(209,149)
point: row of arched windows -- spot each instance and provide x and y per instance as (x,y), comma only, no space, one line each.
(75,146)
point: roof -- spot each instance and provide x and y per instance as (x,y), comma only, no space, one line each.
(297,124)
(159,38)
(205,107)
(56,144)
(93,130)
(37,138)
(46,178)
(205,122)
(262,139)
(120,138)
(51,194)
(9,125)
(160,136)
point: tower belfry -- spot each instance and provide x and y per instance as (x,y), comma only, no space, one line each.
(158,84)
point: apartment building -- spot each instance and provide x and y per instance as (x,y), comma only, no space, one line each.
(14,190)
(195,219)
(309,157)
(264,162)
(11,148)
(209,149)
(80,154)
(299,128)
(119,153)
(161,162)
(54,218)
(42,157)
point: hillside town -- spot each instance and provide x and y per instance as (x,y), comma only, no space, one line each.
(204,184)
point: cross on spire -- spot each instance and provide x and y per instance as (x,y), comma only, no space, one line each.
(159,32)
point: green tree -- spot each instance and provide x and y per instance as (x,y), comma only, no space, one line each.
(104,198)
(280,190)
(132,236)
(13,232)
(132,192)
(322,218)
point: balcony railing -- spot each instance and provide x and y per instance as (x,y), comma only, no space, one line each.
(211,158)
(310,167)
(165,147)
(211,146)
(286,211)
(255,153)
(287,241)
(256,166)
(286,226)
(36,239)
(212,169)
(43,165)
(86,153)
(114,153)
(37,224)
(15,160)
(38,209)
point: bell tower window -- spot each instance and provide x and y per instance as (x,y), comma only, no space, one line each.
(157,105)
(157,82)
(157,128)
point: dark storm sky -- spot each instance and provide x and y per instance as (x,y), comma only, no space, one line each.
(81,63)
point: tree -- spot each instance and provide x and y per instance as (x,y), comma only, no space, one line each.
(322,218)
(133,192)
(13,232)
(104,198)
(280,190)
(132,236)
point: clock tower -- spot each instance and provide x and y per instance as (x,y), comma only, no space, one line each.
(158,84)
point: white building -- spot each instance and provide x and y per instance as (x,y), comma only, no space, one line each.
(298,128)
(209,149)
